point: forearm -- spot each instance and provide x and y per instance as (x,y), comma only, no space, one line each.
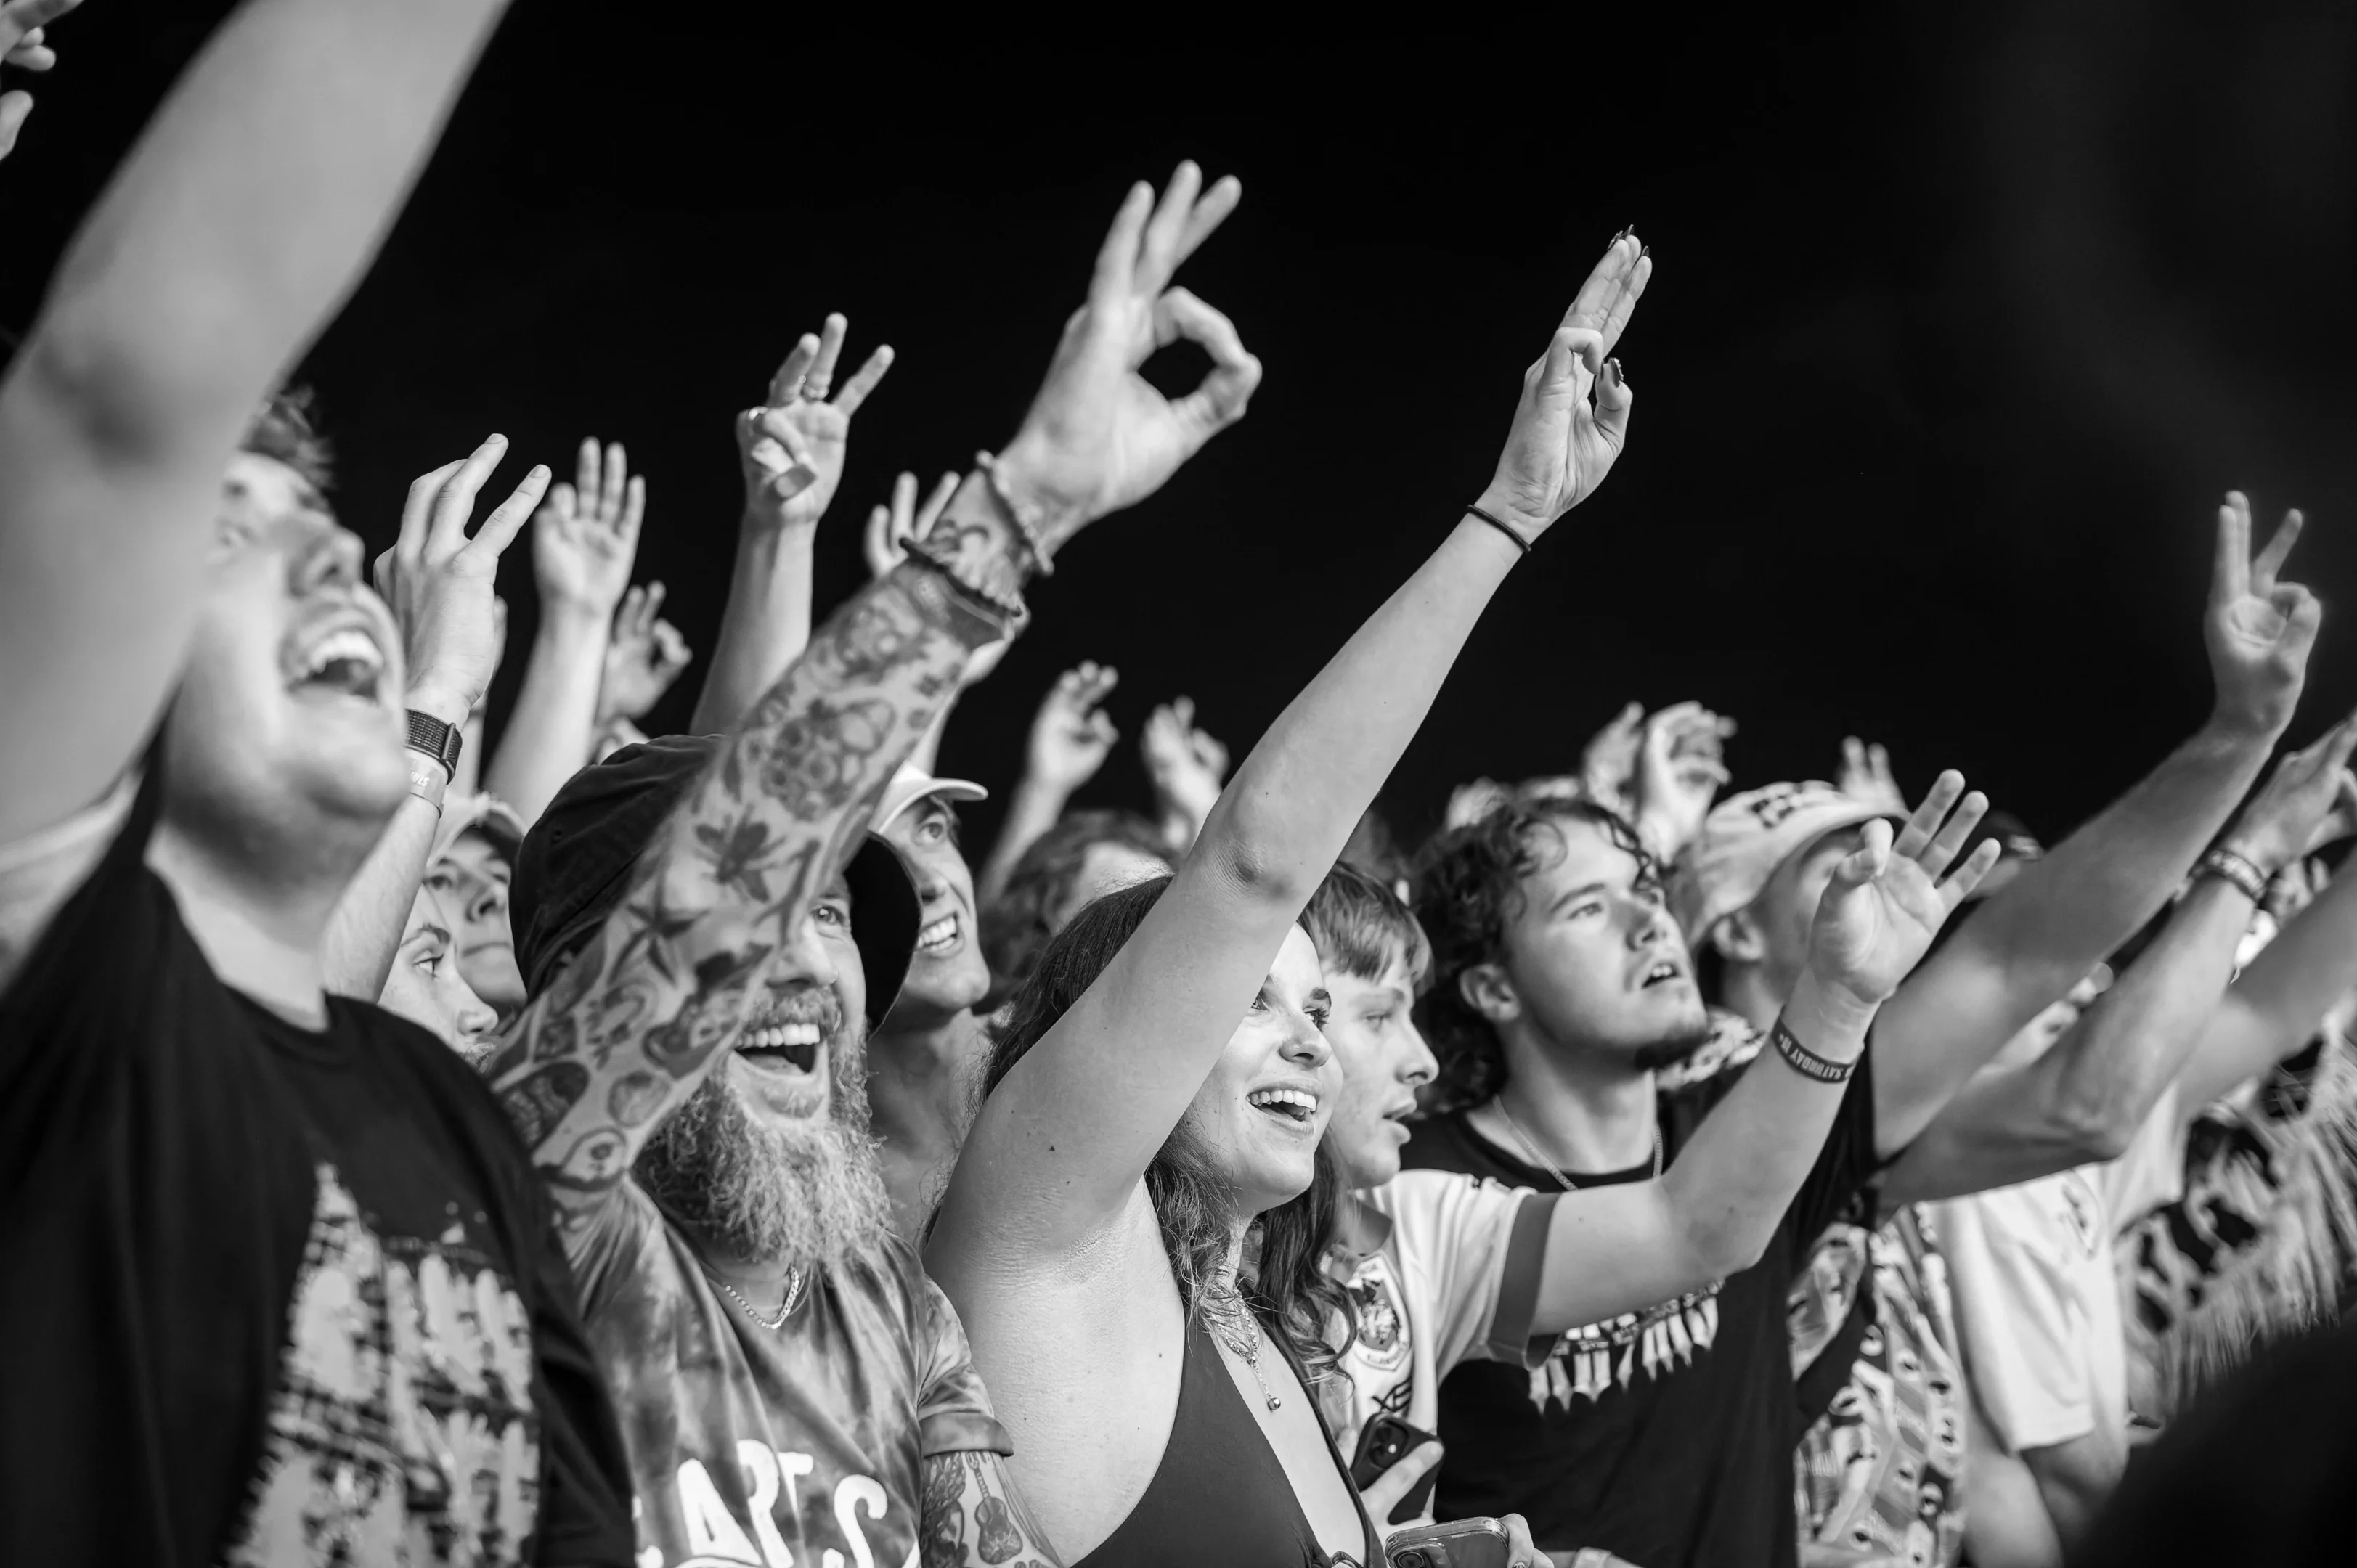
(364,932)
(548,737)
(2076,1479)
(1031,809)
(765,627)
(665,986)
(2025,949)
(1289,810)
(974,1516)
(2276,1005)
(465,778)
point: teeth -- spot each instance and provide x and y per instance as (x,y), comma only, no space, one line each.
(940,934)
(350,643)
(778,1036)
(1267,1097)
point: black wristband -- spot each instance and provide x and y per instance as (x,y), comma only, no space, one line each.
(1520,542)
(437,740)
(1807,1062)
(1000,619)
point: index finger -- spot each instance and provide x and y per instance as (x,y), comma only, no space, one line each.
(1158,255)
(2230,566)
(1624,304)
(1592,304)
(2270,558)
(1117,265)
(1928,816)
(831,333)
(788,382)
(863,381)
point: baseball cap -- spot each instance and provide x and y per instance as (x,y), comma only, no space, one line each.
(576,863)
(912,784)
(1745,839)
(482,813)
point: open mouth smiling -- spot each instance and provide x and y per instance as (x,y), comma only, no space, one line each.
(343,661)
(789,1046)
(1295,1106)
(940,935)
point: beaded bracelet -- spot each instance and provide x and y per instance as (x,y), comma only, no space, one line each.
(1026,525)
(2239,869)
(1807,1062)
(1000,617)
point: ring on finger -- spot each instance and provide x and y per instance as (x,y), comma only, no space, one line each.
(813,391)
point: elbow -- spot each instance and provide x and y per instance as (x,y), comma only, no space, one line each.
(1726,1245)
(1254,862)
(2094,1133)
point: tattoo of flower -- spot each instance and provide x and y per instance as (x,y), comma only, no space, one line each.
(944,1513)
(812,770)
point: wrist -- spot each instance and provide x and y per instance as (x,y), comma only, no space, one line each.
(441,700)
(1499,502)
(572,619)
(2232,726)
(1021,467)
(1830,1015)
(761,523)
(2260,849)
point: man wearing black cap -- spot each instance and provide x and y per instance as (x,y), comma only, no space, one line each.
(698,936)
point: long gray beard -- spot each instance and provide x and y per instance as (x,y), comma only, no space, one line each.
(812,1194)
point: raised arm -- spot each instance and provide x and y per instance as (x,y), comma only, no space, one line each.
(246,212)
(1072,735)
(1618,1248)
(2030,944)
(584,543)
(632,1026)
(1062,1141)
(792,450)
(2084,1099)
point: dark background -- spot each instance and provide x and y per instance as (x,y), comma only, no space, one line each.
(1960,323)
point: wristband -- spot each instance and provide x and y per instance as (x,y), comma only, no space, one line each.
(428,781)
(1520,542)
(1807,1062)
(2239,869)
(1026,524)
(437,740)
(986,617)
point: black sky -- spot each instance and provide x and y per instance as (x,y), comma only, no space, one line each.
(1963,317)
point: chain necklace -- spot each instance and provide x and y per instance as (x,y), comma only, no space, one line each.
(1224,1309)
(1531,1149)
(795,1280)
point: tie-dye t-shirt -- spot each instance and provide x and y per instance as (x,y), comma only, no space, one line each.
(799,1446)
(277,1296)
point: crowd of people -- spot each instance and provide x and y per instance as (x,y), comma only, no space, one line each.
(680,1151)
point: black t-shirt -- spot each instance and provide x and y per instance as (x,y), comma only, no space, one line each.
(273,1296)
(1664,1437)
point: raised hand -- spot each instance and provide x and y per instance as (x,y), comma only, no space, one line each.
(2258,629)
(643,657)
(438,581)
(1887,900)
(24,46)
(792,447)
(1098,437)
(2283,819)
(1072,735)
(1608,768)
(586,539)
(889,528)
(1680,770)
(1185,765)
(1562,446)
(1866,776)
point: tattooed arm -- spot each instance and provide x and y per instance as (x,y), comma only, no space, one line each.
(975,1518)
(724,891)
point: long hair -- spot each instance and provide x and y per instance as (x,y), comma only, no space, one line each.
(1193,1203)
(1016,926)
(1471,887)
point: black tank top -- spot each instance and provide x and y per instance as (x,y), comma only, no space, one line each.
(1220,1493)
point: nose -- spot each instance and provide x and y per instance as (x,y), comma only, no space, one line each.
(1423,1067)
(331,561)
(1305,1043)
(475,1021)
(1651,927)
(490,902)
(804,961)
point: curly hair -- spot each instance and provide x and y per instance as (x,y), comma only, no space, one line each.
(1469,887)
(1015,928)
(287,431)
(1192,1202)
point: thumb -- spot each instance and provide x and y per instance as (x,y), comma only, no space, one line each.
(1869,859)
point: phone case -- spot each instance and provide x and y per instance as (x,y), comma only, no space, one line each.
(1461,1543)
(1382,1443)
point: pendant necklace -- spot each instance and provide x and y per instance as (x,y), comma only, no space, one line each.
(1224,1309)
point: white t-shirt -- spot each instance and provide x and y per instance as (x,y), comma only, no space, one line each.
(2038,1305)
(1441,1268)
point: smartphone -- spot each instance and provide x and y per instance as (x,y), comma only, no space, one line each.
(1383,1442)
(1460,1543)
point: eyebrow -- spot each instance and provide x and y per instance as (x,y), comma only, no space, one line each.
(1582,891)
(430,934)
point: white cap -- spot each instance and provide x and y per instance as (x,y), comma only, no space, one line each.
(912,784)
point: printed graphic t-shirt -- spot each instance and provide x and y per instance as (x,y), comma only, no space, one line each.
(275,1295)
(801,1446)
(1664,1437)
(1440,1268)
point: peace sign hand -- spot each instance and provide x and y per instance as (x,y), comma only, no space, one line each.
(792,447)
(1886,901)
(1561,445)
(2258,629)
(1099,437)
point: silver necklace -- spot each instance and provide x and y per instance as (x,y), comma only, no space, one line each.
(1224,1309)
(794,1278)
(1531,1150)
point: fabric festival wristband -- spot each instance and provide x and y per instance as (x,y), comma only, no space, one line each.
(428,781)
(2240,870)
(1520,542)
(1807,1062)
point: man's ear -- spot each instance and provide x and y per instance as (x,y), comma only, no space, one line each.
(1739,939)
(1489,989)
